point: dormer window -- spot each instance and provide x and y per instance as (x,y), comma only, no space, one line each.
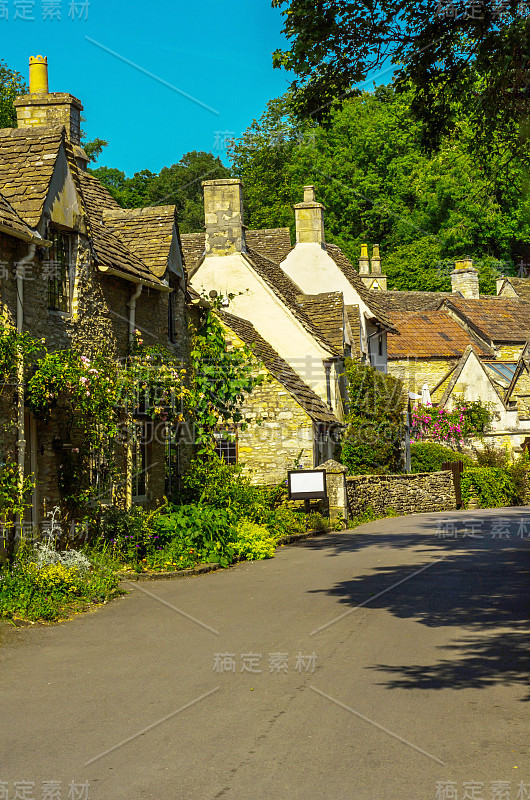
(57,270)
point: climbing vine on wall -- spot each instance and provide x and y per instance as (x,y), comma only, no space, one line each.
(222,376)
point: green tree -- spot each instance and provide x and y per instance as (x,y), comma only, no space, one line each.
(379,184)
(454,59)
(374,435)
(11,85)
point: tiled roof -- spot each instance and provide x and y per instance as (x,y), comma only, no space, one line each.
(354,319)
(371,298)
(521,286)
(411,301)
(288,291)
(193,248)
(282,371)
(147,232)
(27,161)
(275,243)
(11,223)
(430,334)
(111,253)
(499,319)
(326,312)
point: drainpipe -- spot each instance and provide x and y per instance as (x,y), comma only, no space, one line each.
(21,441)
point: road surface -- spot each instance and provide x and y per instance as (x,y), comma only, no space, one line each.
(386,662)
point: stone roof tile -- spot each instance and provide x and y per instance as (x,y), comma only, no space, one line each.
(27,161)
(147,232)
(429,334)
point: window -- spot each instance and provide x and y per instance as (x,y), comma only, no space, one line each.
(226,446)
(58,268)
(139,459)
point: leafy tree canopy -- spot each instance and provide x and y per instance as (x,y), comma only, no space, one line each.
(380,185)
(456,54)
(180,185)
(11,85)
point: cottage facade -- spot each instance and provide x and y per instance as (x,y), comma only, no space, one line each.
(80,272)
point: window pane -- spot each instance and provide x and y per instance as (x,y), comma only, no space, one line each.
(57,271)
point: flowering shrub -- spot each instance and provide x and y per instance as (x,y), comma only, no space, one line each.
(53,591)
(466,419)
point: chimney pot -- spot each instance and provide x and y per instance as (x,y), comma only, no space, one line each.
(38,75)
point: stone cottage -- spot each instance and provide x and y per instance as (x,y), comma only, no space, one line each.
(80,272)
(303,326)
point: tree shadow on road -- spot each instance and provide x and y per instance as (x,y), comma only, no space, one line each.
(478,585)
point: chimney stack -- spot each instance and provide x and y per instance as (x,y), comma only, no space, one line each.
(374,279)
(309,218)
(40,108)
(364,261)
(464,279)
(223,217)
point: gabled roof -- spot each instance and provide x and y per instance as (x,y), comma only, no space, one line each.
(499,319)
(397,301)
(455,376)
(274,243)
(111,253)
(326,312)
(429,334)
(317,410)
(193,248)
(27,161)
(147,232)
(12,224)
(521,287)
(288,292)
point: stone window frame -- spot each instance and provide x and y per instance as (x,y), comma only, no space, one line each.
(68,278)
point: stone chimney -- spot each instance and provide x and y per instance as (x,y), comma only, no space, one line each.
(39,107)
(309,218)
(223,217)
(464,279)
(364,261)
(373,279)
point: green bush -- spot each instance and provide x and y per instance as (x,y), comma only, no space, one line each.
(429,456)
(493,486)
(254,542)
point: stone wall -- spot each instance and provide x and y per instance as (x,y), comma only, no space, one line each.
(283,438)
(414,372)
(405,494)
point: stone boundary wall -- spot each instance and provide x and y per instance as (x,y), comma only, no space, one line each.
(414,493)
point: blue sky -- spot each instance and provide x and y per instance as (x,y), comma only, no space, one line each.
(218,54)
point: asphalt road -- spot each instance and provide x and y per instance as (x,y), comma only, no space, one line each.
(393,662)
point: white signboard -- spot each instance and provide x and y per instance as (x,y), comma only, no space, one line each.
(307,484)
